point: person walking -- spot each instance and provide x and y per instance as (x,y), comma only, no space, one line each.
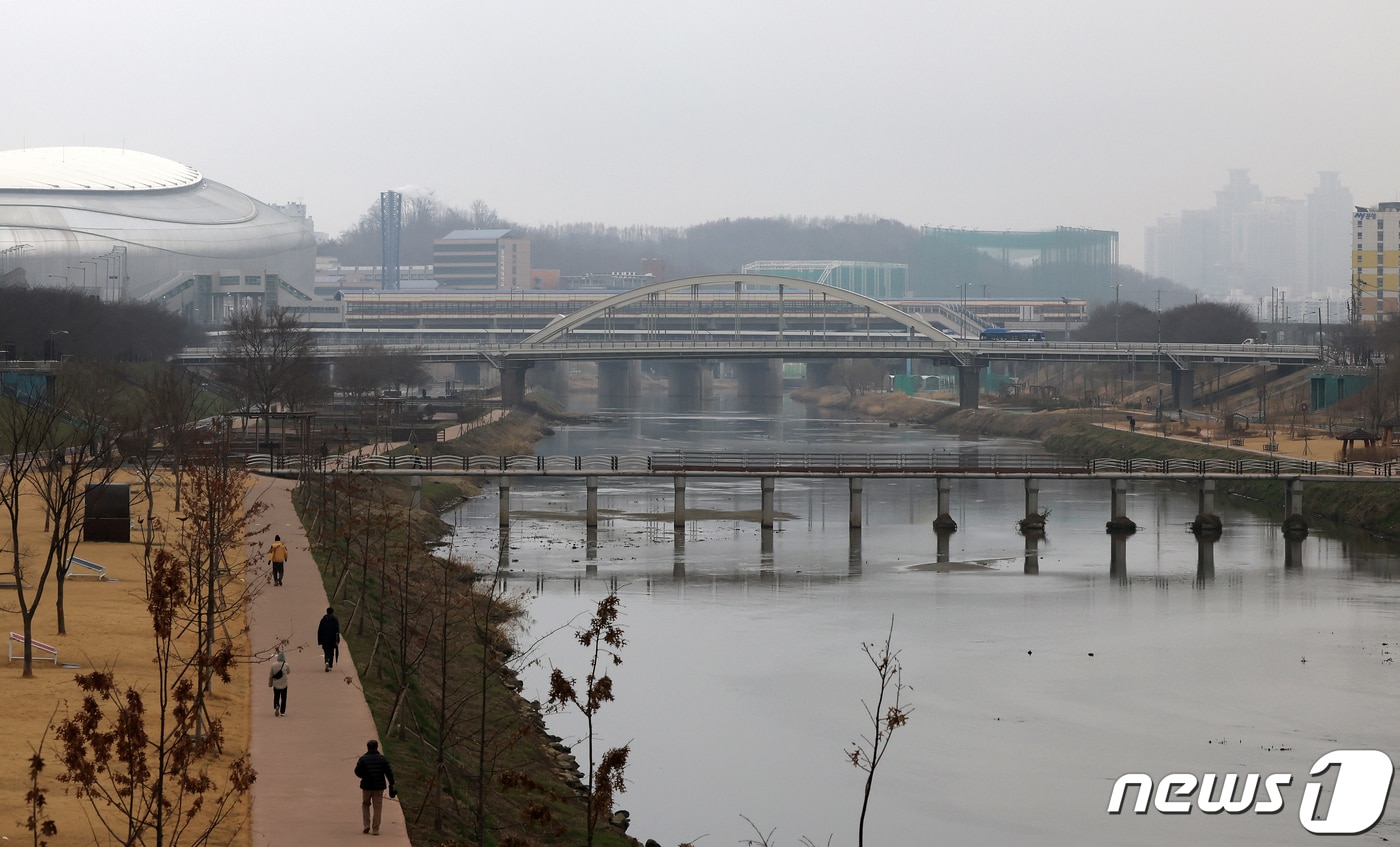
(375,775)
(328,636)
(277,681)
(278,555)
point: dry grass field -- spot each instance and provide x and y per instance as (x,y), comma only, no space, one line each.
(108,629)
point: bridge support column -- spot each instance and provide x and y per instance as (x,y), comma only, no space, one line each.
(504,488)
(819,373)
(1034,521)
(1184,388)
(969,385)
(760,380)
(765,520)
(692,382)
(857,501)
(1119,522)
(1294,524)
(1205,559)
(1207,522)
(619,382)
(467,373)
(590,484)
(678,516)
(513,384)
(415,497)
(552,377)
(943,521)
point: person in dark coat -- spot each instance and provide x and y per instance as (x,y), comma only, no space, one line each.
(375,775)
(328,636)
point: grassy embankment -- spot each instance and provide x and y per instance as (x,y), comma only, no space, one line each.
(1369,506)
(459,690)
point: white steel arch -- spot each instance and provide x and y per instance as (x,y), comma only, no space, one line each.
(561,326)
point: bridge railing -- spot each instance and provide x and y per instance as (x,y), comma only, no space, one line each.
(1268,467)
(872,464)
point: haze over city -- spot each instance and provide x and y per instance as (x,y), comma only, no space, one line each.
(983,115)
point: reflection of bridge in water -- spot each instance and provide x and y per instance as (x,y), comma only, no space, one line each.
(856,468)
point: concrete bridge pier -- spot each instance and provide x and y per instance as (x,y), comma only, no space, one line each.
(855,558)
(415,496)
(819,373)
(766,517)
(1034,521)
(944,522)
(1033,553)
(1294,524)
(590,484)
(941,549)
(590,543)
(678,516)
(466,373)
(513,383)
(691,382)
(1184,387)
(1207,522)
(857,501)
(969,385)
(760,380)
(1119,522)
(552,377)
(619,382)
(678,554)
(504,488)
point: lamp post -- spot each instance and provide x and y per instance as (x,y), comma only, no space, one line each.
(84,272)
(1116,312)
(94,275)
(1159,355)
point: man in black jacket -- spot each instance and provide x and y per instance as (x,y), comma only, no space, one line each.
(375,775)
(328,636)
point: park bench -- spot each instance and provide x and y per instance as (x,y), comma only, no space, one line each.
(83,568)
(39,647)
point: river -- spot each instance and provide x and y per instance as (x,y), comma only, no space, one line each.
(1036,679)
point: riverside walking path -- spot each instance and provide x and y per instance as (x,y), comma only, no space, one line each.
(306,793)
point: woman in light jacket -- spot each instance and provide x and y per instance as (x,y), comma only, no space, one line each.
(277,681)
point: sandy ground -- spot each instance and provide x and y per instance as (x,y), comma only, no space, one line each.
(108,627)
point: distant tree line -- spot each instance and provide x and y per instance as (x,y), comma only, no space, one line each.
(1194,323)
(725,246)
(37,323)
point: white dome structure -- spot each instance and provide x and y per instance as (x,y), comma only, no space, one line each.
(124,224)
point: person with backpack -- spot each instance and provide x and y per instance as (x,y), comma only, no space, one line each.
(277,681)
(375,775)
(278,556)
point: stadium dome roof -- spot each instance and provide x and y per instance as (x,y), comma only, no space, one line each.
(66,212)
(91,169)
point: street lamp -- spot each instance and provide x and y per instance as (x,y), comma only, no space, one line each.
(1116,313)
(84,270)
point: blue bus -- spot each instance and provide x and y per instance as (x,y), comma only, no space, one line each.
(996,333)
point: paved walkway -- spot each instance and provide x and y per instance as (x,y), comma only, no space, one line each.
(306,793)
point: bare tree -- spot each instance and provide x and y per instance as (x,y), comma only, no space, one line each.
(884,719)
(604,638)
(143,759)
(268,360)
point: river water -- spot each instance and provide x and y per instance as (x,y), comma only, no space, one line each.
(1037,678)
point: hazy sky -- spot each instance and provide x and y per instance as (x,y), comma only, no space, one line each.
(991,115)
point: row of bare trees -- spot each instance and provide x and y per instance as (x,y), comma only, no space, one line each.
(148,753)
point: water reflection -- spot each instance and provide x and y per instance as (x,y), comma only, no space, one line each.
(1118,556)
(1205,559)
(853,559)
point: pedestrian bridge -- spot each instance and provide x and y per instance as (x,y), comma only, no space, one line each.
(745,464)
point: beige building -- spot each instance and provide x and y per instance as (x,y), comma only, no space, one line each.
(482,260)
(1375,262)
